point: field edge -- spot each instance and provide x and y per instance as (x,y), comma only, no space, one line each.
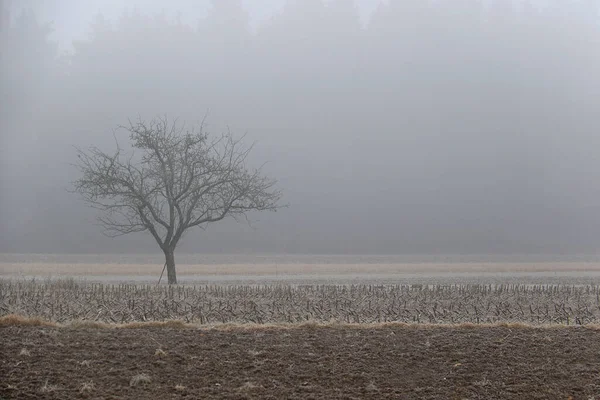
(20,320)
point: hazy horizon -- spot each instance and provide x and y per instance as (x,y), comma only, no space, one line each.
(410,127)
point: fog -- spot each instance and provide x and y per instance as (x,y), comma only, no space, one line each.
(406,127)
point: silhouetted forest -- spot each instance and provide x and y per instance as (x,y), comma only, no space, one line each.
(456,126)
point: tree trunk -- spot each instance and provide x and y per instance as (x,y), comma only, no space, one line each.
(170,258)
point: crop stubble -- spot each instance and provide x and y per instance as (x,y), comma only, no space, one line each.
(66,300)
(435,356)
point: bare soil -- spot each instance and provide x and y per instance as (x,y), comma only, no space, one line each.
(303,362)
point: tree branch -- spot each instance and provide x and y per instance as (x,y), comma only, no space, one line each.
(172,180)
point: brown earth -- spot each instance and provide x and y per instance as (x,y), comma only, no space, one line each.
(304,362)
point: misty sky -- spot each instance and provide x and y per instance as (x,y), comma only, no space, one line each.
(71,19)
(443,127)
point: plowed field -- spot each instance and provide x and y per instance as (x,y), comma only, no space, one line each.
(302,362)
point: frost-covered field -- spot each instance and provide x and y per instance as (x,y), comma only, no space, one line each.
(309,269)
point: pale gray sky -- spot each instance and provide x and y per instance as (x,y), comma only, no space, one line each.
(437,130)
(71,19)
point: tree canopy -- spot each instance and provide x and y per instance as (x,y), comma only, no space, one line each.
(172,180)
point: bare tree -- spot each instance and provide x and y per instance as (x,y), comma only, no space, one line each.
(170,181)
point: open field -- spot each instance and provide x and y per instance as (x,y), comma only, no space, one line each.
(302,328)
(100,269)
(65,300)
(392,361)
(242,269)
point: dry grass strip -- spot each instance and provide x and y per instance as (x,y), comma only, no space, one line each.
(18,320)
